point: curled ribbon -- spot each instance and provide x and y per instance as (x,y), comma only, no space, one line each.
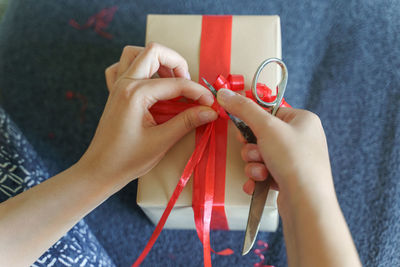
(99,21)
(205,203)
(259,251)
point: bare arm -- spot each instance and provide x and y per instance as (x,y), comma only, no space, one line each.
(127,144)
(34,220)
(316,231)
(293,148)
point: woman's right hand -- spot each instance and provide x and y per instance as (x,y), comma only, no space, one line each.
(292,146)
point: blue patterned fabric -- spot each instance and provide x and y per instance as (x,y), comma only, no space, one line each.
(20,169)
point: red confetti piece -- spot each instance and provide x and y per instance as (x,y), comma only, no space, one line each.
(99,21)
(69,95)
(51,135)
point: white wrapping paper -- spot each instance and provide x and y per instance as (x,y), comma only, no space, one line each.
(254,38)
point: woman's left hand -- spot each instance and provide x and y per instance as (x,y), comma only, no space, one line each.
(128,142)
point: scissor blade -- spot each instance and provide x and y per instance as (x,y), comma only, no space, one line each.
(212,89)
(255,213)
(261,188)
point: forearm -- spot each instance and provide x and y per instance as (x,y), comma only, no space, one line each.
(316,232)
(34,220)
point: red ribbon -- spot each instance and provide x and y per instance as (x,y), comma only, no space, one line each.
(208,160)
(266,95)
(259,253)
(205,199)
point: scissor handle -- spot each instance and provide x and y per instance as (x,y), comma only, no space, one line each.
(281,86)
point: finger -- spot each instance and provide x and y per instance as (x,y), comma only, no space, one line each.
(259,120)
(251,153)
(186,121)
(148,62)
(289,114)
(129,53)
(111,75)
(165,72)
(167,88)
(249,186)
(256,171)
(299,118)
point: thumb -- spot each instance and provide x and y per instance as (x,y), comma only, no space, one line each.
(246,110)
(186,121)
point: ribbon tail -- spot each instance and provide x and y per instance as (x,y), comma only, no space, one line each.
(204,198)
(209,199)
(193,161)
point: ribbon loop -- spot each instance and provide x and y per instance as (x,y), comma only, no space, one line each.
(221,82)
(236,82)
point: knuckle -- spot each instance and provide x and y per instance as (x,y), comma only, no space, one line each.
(312,117)
(152,46)
(107,72)
(126,92)
(189,121)
(127,49)
(181,81)
(183,62)
(110,70)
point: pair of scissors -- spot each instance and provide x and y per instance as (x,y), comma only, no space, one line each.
(261,189)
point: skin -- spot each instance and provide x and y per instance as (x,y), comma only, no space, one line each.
(128,143)
(292,146)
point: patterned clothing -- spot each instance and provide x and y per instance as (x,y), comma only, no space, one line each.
(21,169)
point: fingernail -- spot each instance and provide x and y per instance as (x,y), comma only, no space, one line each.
(188,76)
(248,187)
(210,100)
(256,172)
(207,115)
(224,95)
(252,154)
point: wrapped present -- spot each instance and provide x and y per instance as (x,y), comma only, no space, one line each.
(214,47)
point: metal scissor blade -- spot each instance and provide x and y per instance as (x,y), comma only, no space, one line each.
(261,188)
(255,213)
(210,87)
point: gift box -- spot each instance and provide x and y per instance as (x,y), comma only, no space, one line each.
(252,40)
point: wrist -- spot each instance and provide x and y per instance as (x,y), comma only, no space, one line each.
(312,221)
(299,196)
(103,182)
